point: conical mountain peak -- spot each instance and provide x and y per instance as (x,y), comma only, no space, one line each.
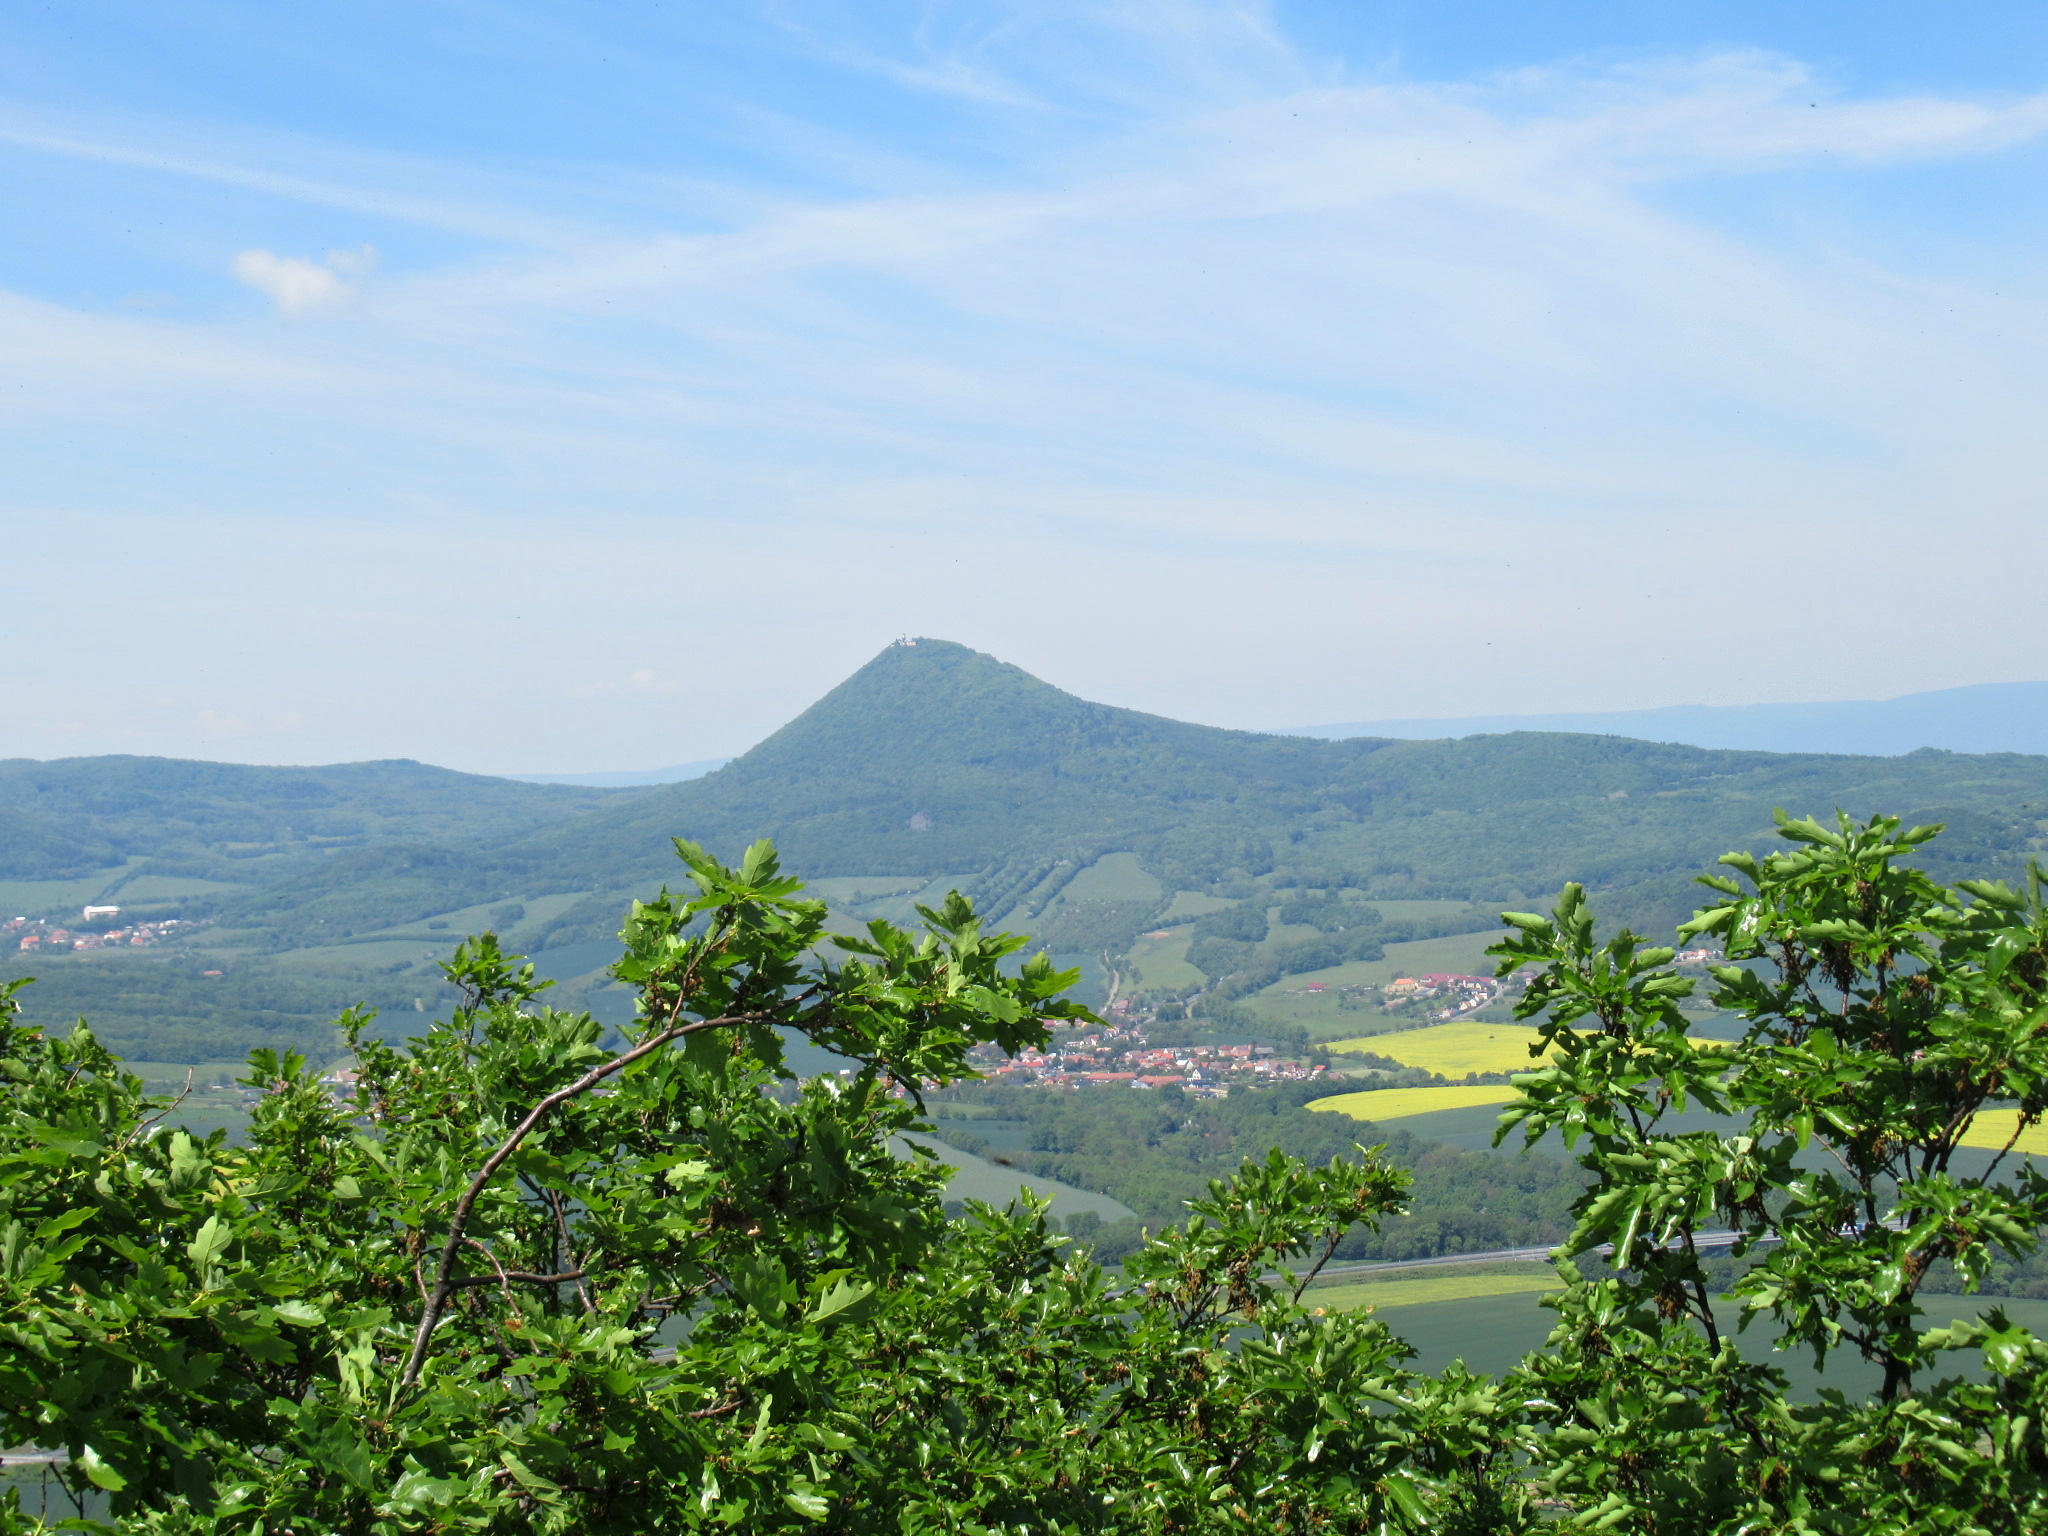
(922,702)
(935,760)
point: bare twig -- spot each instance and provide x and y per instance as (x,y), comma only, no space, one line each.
(504,1280)
(517,1277)
(569,1250)
(444,1280)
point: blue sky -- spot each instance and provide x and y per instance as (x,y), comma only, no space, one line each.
(542,387)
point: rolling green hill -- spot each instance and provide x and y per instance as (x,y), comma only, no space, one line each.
(935,762)
(243,824)
(934,758)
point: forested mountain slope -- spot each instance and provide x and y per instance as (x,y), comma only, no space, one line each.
(935,761)
(66,818)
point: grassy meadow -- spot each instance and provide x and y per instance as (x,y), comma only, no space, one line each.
(1414,1288)
(976,1178)
(120,884)
(1113,877)
(51,898)
(1162,963)
(1329,1014)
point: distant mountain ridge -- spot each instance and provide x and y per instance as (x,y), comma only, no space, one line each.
(1985,717)
(65,816)
(936,760)
(931,763)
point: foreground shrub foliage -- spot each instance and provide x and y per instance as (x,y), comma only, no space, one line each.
(521,1282)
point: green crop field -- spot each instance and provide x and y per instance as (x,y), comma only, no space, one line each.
(1279,933)
(173,888)
(976,1178)
(1493,1333)
(540,910)
(39,898)
(853,899)
(382,954)
(1328,1015)
(459,922)
(1418,1289)
(1187,904)
(418,944)
(1163,963)
(1113,877)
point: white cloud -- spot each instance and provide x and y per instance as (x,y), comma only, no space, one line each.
(296,284)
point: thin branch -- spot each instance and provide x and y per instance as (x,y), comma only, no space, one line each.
(569,1250)
(144,1125)
(1329,1248)
(2020,1127)
(444,1282)
(517,1277)
(504,1280)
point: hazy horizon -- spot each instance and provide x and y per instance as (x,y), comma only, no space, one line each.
(1971,718)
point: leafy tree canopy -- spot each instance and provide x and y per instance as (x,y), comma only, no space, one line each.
(520,1283)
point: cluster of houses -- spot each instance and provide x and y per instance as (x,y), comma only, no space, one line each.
(1459,994)
(40,935)
(1123,1058)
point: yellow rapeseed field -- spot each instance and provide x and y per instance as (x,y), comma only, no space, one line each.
(1462,1046)
(1393,1103)
(1993,1128)
(1453,1049)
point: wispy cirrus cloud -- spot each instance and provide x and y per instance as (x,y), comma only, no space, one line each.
(1464,359)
